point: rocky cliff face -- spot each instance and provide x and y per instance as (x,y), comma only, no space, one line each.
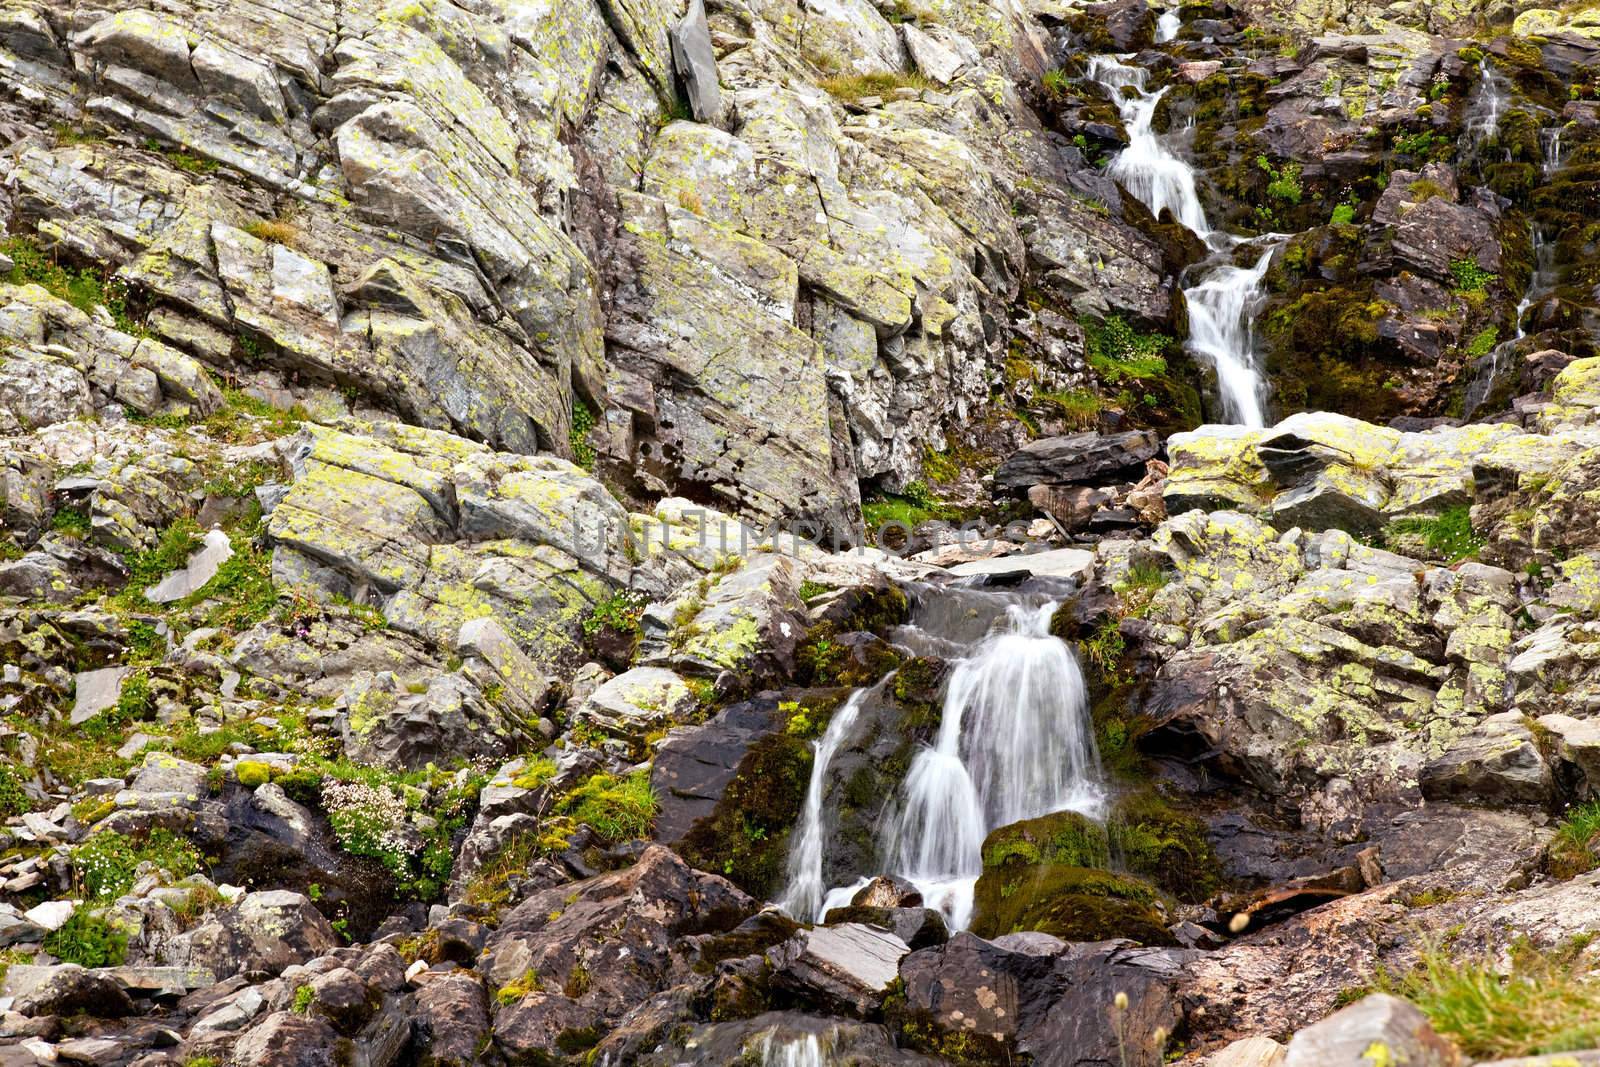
(433,435)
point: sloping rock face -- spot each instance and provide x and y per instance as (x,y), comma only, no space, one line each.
(403,656)
(496,223)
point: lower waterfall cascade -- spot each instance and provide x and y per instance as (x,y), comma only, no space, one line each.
(1014,743)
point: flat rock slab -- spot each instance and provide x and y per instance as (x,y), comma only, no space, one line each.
(1078,458)
(1376,1029)
(96,691)
(1249,1052)
(1056,563)
(215,550)
(844,968)
(156,979)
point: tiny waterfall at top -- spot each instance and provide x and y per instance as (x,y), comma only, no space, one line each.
(1225,298)
(1168,25)
(1483,123)
(1014,742)
(1146,168)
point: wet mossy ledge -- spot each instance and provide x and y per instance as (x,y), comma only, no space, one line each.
(1084,880)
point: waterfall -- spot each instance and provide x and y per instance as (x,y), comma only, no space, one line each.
(1484,123)
(1542,281)
(1168,25)
(803,1051)
(1224,300)
(803,897)
(1550,147)
(1014,743)
(1146,168)
(1222,309)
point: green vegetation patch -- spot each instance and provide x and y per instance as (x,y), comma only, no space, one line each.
(1449,536)
(1572,851)
(106,864)
(85,289)
(89,940)
(853,87)
(1546,1002)
(1121,353)
(619,809)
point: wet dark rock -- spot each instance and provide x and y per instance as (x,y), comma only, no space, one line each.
(589,953)
(67,988)
(452,1020)
(1079,458)
(981,1001)
(695,764)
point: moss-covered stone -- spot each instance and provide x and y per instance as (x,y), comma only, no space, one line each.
(1072,903)
(747,838)
(1153,839)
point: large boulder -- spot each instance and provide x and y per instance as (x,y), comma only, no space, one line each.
(1031,994)
(576,958)
(1376,1026)
(265,931)
(1080,458)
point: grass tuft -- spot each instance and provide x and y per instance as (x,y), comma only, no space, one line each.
(1572,852)
(1545,1003)
(852,87)
(1449,536)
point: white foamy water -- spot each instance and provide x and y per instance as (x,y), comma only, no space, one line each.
(1483,124)
(1167,26)
(1224,300)
(803,897)
(1222,311)
(805,1050)
(1014,743)
(1147,168)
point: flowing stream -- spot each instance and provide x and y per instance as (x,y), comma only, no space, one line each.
(1168,25)
(1014,743)
(1550,146)
(804,893)
(803,1051)
(1222,313)
(1483,124)
(1224,299)
(1542,281)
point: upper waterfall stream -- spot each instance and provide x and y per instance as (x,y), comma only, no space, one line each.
(1225,297)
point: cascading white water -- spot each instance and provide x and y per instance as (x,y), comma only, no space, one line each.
(1550,147)
(1146,168)
(1222,309)
(1168,25)
(803,1051)
(1542,281)
(1014,743)
(1484,122)
(803,896)
(1224,299)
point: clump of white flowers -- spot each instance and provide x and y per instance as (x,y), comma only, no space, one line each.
(371,821)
